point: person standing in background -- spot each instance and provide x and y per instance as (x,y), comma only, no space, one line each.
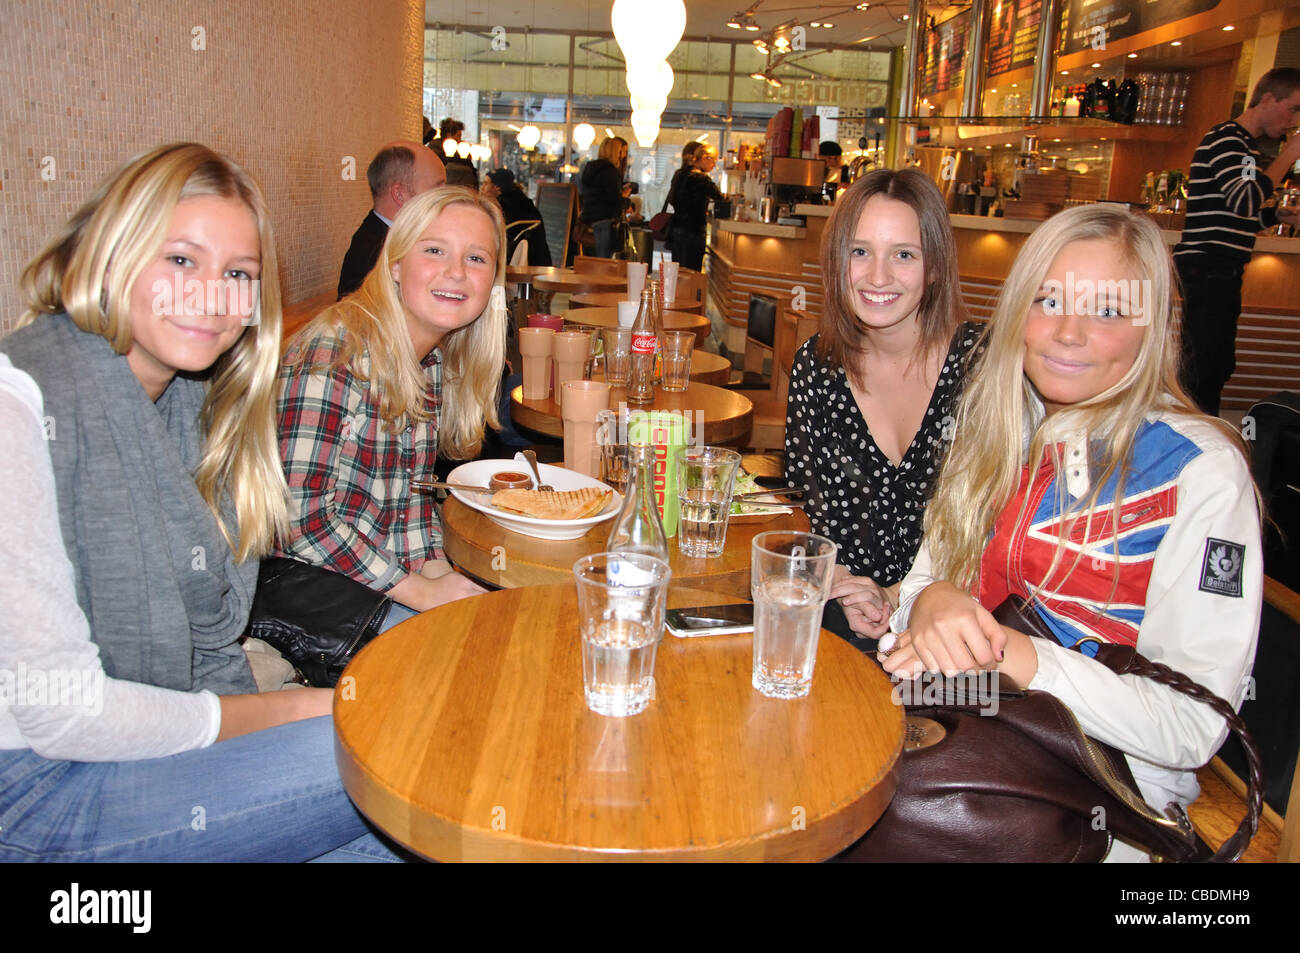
(1226,193)
(689,196)
(603,194)
(460,169)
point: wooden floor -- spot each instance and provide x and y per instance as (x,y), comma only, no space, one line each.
(1218,811)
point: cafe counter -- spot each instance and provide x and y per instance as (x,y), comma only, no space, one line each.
(747,258)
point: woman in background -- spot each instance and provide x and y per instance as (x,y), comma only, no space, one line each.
(689,195)
(872,396)
(1082,477)
(602,194)
(138,419)
(379,384)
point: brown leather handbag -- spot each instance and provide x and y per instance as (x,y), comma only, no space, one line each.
(1026,784)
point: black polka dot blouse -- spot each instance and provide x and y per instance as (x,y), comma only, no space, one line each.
(856,497)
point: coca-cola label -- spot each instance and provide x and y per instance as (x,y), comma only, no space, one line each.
(644,343)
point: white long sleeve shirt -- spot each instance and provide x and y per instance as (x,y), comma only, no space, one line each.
(54,695)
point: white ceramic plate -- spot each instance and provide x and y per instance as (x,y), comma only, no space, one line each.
(478,472)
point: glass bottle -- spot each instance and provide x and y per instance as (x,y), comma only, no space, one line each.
(645,343)
(638,528)
(657,321)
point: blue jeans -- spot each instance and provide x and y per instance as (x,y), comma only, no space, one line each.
(272,795)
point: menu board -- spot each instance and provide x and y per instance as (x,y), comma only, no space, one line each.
(1013,35)
(1090,24)
(945,51)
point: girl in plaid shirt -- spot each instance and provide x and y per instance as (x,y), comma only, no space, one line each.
(362,403)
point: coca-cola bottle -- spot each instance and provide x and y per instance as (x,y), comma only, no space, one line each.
(638,528)
(645,346)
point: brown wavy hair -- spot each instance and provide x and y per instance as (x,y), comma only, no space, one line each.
(842,337)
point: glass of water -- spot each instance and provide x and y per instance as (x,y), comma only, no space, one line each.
(705,478)
(620,620)
(677,349)
(790,581)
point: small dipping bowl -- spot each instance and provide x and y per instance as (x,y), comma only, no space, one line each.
(510,480)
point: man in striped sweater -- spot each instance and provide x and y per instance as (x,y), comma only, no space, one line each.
(1227,189)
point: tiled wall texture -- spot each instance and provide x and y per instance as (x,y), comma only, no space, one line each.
(300,92)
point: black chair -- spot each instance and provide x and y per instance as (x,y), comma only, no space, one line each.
(760,336)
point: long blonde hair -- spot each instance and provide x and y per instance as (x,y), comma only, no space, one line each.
(983,467)
(89,270)
(375,342)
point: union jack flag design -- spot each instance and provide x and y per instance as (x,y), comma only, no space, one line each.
(1098,587)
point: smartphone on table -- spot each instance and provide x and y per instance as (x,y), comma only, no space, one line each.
(710,620)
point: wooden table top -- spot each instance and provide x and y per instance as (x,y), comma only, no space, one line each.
(463,734)
(610,299)
(499,557)
(673,320)
(728,414)
(564,279)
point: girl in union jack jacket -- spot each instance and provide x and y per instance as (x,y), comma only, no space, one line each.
(1081,475)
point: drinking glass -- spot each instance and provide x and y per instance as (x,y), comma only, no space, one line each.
(790,581)
(705,479)
(613,453)
(621,600)
(677,349)
(618,355)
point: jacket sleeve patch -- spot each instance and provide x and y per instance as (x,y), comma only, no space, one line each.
(1221,570)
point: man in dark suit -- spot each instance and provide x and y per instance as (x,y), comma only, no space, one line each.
(398,172)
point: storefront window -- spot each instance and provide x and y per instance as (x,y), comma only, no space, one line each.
(497,82)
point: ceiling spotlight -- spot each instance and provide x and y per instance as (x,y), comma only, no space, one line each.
(758,76)
(862,6)
(1132,56)
(1229,28)
(734,22)
(1096,66)
(1176,43)
(751,26)
(827,25)
(815,23)
(906,15)
(773,81)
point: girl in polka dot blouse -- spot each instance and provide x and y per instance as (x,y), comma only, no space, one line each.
(872,396)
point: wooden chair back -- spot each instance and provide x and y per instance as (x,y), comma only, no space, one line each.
(591,265)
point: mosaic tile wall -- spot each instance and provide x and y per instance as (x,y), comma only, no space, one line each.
(291,90)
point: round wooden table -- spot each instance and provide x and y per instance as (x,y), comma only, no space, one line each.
(568,281)
(498,557)
(673,321)
(728,414)
(610,299)
(463,734)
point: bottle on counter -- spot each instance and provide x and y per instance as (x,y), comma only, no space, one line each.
(638,528)
(645,346)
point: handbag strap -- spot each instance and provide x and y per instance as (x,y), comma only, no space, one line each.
(1125,660)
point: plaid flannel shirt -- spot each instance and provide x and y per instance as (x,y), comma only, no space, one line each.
(351,507)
